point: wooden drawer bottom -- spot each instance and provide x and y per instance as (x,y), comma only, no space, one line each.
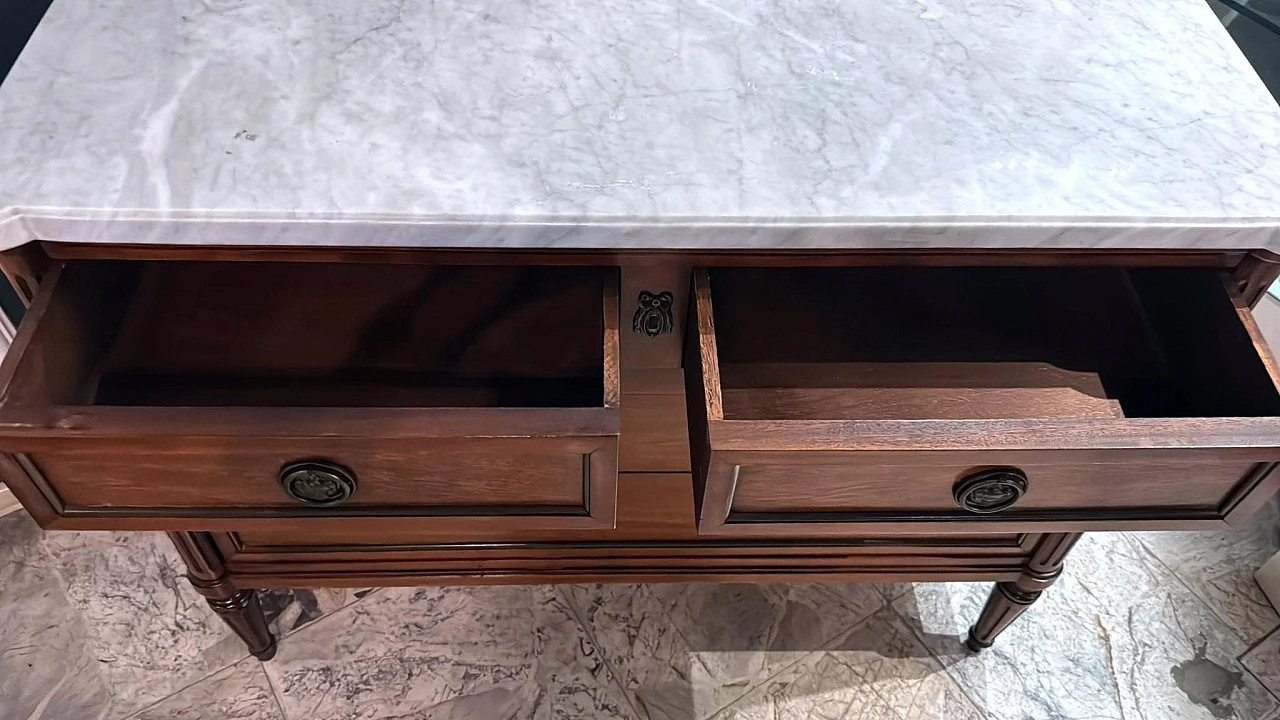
(376,566)
(377,576)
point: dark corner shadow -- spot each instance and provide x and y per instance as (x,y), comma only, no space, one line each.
(18,19)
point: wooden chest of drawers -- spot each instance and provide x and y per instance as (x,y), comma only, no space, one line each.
(309,417)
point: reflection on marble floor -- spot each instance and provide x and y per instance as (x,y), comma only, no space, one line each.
(1141,627)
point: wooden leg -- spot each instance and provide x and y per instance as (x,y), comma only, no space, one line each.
(238,608)
(1010,599)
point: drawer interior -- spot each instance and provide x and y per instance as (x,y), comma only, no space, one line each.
(958,343)
(317,334)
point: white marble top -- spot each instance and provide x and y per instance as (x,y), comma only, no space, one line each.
(639,123)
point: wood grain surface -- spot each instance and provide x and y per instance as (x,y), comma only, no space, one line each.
(804,421)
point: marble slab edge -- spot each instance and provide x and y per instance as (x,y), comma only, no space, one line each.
(18,227)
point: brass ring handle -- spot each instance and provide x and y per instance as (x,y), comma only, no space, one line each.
(318,483)
(990,491)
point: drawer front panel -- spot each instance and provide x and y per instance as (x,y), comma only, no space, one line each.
(779,484)
(465,472)
(532,483)
(771,494)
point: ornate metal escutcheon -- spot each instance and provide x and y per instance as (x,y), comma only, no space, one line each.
(318,483)
(990,491)
(653,313)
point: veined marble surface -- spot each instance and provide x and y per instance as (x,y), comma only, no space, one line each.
(639,124)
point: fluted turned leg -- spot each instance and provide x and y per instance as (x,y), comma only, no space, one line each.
(238,608)
(242,612)
(1010,599)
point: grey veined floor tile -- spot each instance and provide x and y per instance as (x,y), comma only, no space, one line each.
(878,671)
(1263,660)
(240,692)
(149,631)
(1117,637)
(44,669)
(485,652)
(684,651)
(289,610)
(1219,566)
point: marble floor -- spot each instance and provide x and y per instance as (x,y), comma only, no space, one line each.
(1141,627)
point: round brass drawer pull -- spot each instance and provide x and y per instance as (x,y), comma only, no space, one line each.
(318,483)
(990,491)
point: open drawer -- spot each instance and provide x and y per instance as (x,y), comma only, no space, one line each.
(234,395)
(828,401)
